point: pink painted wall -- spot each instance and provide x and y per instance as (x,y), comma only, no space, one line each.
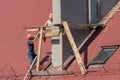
(14,15)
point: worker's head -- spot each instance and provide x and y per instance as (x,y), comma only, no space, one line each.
(50,16)
(29,36)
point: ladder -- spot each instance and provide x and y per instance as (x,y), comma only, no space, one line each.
(37,58)
(30,68)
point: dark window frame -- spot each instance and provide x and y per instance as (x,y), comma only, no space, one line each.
(103,53)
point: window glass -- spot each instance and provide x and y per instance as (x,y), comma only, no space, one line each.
(103,55)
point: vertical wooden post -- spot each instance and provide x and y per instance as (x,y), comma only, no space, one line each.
(39,49)
(61,51)
(74,47)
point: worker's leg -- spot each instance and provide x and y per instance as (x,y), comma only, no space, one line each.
(31,56)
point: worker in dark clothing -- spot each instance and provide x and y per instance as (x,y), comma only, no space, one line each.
(31,52)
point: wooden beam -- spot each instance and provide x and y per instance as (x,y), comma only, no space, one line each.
(86,39)
(39,50)
(51,73)
(84,25)
(79,25)
(73,26)
(30,29)
(69,60)
(61,50)
(52,34)
(74,47)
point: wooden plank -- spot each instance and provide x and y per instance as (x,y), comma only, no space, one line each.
(74,47)
(39,50)
(61,50)
(67,63)
(80,25)
(86,39)
(52,34)
(73,26)
(51,73)
(84,25)
(80,46)
(30,29)
(36,27)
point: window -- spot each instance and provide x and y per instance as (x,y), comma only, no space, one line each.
(103,55)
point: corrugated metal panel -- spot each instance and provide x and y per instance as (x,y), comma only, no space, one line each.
(105,7)
(74,13)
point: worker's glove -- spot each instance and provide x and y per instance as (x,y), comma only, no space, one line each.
(43,37)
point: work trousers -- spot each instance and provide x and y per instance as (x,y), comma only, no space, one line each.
(31,56)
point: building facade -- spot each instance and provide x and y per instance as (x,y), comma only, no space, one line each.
(100,55)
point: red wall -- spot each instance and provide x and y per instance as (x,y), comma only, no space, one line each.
(108,36)
(14,15)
